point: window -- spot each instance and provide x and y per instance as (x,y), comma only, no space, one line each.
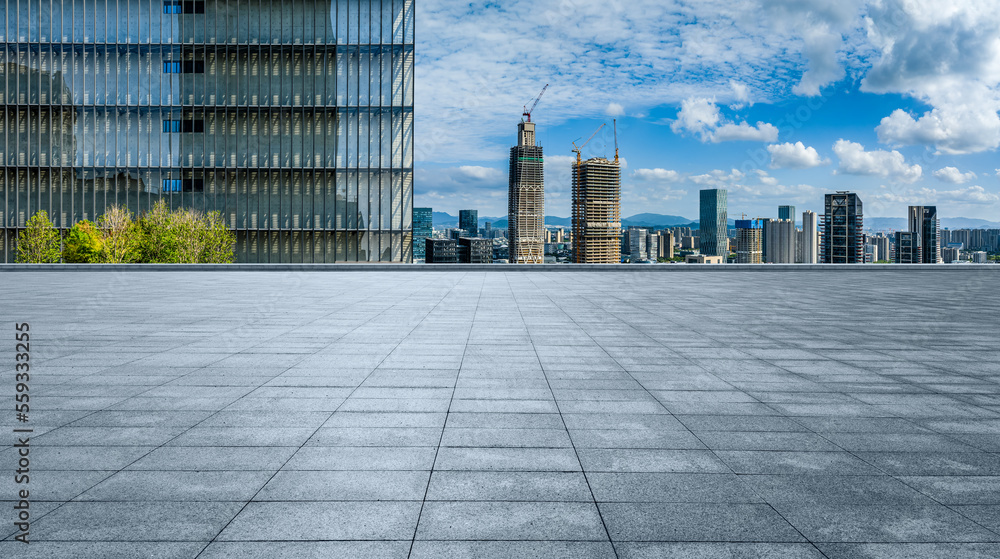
(175,126)
(186,67)
(183,6)
(171,185)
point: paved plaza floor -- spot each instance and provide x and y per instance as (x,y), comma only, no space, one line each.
(475,414)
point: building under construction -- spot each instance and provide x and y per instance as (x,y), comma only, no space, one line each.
(526,199)
(597,222)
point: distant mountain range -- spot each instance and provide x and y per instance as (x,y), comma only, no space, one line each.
(445,220)
(899,223)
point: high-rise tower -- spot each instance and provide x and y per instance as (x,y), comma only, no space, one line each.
(526,199)
(713,223)
(597,223)
(843,241)
(924,221)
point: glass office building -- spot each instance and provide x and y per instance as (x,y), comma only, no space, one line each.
(423,228)
(293,118)
(713,225)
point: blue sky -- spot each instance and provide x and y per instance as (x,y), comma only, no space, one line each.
(779,101)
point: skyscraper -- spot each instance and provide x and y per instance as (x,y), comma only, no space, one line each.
(808,239)
(787,212)
(713,223)
(526,199)
(423,227)
(749,248)
(843,237)
(923,220)
(292,119)
(597,226)
(469,221)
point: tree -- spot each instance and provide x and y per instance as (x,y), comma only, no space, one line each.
(219,241)
(120,235)
(83,244)
(39,242)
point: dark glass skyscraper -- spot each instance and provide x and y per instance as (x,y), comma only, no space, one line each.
(843,240)
(293,119)
(923,221)
(713,223)
(787,212)
(469,221)
(423,227)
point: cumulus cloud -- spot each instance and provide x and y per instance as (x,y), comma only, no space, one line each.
(718,178)
(658,175)
(741,95)
(945,55)
(854,160)
(795,156)
(953,175)
(701,116)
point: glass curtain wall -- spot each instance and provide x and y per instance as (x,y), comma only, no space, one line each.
(293,118)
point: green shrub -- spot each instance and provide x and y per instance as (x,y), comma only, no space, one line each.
(83,244)
(184,236)
(39,242)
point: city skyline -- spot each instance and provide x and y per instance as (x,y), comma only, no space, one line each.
(707,97)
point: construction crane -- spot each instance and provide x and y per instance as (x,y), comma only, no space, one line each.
(615,121)
(527,111)
(576,149)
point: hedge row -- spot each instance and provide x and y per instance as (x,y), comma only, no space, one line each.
(160,235)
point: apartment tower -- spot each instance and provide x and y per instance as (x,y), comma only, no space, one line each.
(923,220)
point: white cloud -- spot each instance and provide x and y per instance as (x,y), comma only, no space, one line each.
(946,55)
(700,115)
(741,95)
(729,132)
(697,115)
(658,175)
(481,173)
(854,160)
(953,175)
(967,195)
(614,110)
(718,178)
(795,156)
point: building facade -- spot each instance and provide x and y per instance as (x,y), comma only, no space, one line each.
(923,220)
(423,228)
(787,212)
(749,241)
(468,220)
(780,242)
(808,245)
(526,199)
(713,223)
(294,120)
(597,222)
(441,251)
(475,250)
(843,240)
(909,248)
